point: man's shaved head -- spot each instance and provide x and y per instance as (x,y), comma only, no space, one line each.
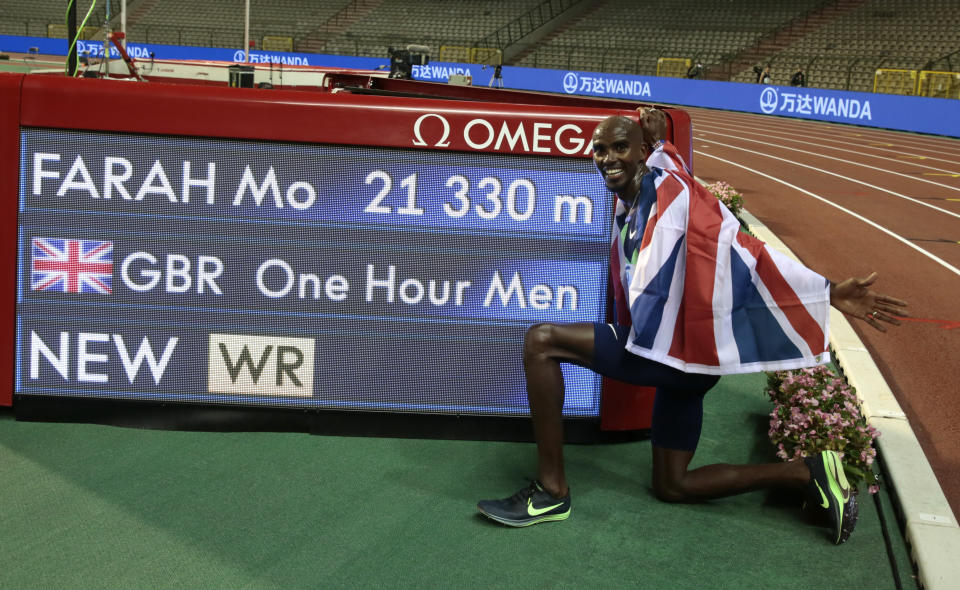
(619,151)
(652,125)
(621,123)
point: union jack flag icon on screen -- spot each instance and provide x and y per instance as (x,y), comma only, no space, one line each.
(72,266)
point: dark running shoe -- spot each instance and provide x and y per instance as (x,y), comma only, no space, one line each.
(830,490)
(531,505)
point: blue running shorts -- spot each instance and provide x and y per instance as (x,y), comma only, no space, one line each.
(678,405)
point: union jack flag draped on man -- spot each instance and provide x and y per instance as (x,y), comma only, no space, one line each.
(703,296)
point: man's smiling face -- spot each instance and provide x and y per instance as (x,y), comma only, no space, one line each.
(619,152)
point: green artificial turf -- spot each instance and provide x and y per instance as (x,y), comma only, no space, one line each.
(88,506)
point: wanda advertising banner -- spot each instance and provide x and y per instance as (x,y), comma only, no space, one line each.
(937,116)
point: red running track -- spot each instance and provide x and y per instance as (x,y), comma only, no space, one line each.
(851,200)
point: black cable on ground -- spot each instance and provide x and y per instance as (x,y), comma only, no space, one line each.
(886,537)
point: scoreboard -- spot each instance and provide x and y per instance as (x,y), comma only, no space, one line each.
(262,248)
(275,273)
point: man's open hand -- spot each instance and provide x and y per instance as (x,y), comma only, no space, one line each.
(854,297)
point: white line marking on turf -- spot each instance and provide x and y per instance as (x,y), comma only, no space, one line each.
(847,178)
(897,237)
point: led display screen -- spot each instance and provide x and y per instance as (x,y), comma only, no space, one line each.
(286,274)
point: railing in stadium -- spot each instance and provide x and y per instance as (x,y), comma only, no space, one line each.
(917,82)
(673,67)
(470,55)
(526,23)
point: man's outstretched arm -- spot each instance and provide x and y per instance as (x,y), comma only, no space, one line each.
(855,298)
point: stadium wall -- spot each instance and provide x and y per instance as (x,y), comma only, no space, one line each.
(928,115)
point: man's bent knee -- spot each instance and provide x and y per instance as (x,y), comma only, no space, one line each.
(669,491)
(559,342)
(538,341)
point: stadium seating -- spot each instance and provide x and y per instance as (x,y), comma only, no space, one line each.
(839,43)
(32,18)
(401,22)
(628,37)
(219,23)
(846,52)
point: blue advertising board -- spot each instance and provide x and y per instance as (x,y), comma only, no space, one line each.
(317,276)
(926,115)
(907,113)
(146,51)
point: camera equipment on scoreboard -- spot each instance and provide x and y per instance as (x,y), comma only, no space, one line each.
(403,60)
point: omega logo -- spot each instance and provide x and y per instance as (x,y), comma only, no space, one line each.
(527,136)
(442,142)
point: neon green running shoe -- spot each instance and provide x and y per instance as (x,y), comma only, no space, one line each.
(830,490)
(531,505)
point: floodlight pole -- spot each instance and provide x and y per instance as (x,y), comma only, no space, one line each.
(71,37)
(246,31)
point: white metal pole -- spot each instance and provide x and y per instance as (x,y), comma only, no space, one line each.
(123,22)
(246,32)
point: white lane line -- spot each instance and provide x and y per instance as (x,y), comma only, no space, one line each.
(938,143)
(848,129)
(835,159)
(838,175)
(806,141)
(882,138)
(897,237)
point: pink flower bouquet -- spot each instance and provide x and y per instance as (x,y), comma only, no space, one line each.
(815,410)
(727,195)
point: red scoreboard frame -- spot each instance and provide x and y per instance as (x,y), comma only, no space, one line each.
(396,113)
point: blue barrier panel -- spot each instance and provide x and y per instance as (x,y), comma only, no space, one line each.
(907,113)
(145,51)
(15,44)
